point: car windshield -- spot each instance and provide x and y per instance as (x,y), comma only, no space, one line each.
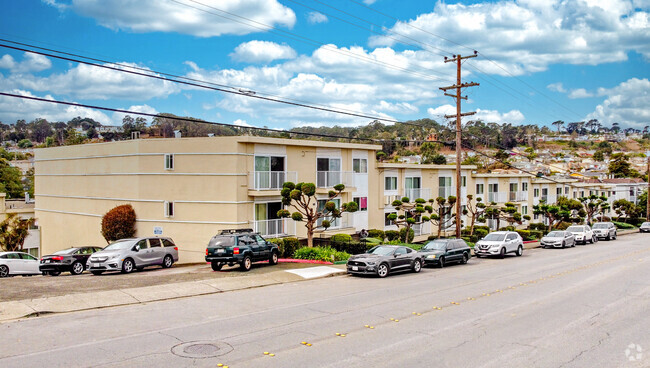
(435,245)
(645,224)
(555,234)
(495,237)
(576,229)
(382,251)
(600,226)
(120,245)
(66,251)
(222,241)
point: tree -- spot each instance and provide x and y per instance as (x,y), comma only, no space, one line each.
(40,129)
(441,212)
(13,231)
(530,153)
(599,156)
(118,223)
(475,212)
(625,209)
(558,124)
(302,197)
(10,180)
(439,159)
(25,143)
(429,153)
(594,205)
(620,167)
(412,214)
(563,210)
(506,213)
(73,137)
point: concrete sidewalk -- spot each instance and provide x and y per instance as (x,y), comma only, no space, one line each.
(100,299)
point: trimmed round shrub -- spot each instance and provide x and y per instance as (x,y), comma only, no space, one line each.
(119,223)
(432,237)
(525,234)
(402,235)
(325,254)
(289,247)
(374,233)
(392,235)
(340,239)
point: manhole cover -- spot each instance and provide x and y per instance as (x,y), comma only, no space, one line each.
(201,349)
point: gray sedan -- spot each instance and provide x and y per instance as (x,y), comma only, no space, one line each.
(558,239)
(384,259)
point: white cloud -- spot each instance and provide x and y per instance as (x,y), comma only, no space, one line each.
(316,17)
(119,116)
(556,87)
(580,93)
(89,82)
(31,63)
(488,116)
(241,122)
(626,104)
(261,51)
(13,108)
(206,18)
(527,36)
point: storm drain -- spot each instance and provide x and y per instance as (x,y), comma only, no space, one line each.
(201,349)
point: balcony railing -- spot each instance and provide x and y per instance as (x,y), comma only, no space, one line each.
(549,199)
(517,196)
(496,197)
(415,193)
(270,180)
(328,179)
(422,229)
(275,228)
(445,192)
(346,220)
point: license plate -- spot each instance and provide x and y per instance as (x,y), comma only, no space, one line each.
(355,268)
(96,264)
(47,261)
(221,250)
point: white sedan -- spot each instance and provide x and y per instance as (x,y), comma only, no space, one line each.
(18,263)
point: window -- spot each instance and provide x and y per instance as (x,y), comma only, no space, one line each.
(511,237)
(463,209)
(260,240)
(479,189)
(387,222)
(444,186)
(524,186)
(536,216)
(390,183)
(13,256)
(169,161)
(362,203)
(334,222)
(558,191)
(400,251)
(168,243)
(360,165)
(142,244)
(493,188)
(463,181)
(328,172)
(269,172)
(536,192)
(524,210)
(154,243)
(412,187)
(566,190)
(582,193)
(513,187)
(169,209)
(27,256)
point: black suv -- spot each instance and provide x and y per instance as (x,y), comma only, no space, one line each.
(242,246)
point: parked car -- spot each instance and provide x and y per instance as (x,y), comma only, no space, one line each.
(500,243)
(440,252)
(127,255)
(73,260)
(385,259)
(605,230)
(582,233)
(558,239)
(240,246)
(18,263)
(645,227)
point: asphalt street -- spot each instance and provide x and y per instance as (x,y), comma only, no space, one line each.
(578,307)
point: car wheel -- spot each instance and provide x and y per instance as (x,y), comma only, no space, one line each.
(520,251)
(246,264)
(608,238)
(441,262)
(573,245)
(382,270)
(563,245)
(502,253)
(54,273)
(97,273)
(216,266)
(465,258)
(168,261)
(77,268)
(615,235)
(417,266)
(4,271)
(274,258)
(127,266)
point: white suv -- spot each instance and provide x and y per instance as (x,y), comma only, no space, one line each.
(605,230)
(499,243)
(583,233)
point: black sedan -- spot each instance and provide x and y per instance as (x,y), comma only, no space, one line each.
(441,252)
(384,259)
(71,260)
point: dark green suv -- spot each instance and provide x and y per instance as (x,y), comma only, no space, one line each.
(241,246)
(441,252)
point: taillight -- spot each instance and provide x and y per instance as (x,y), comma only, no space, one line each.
(57,258)
(206,251)
(235,250)
(176,249)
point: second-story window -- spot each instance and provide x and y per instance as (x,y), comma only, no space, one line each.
(390,183)
(269,172)
(479,189)
(169,209)
(444,186)
(169,161)
(360,165)
(413,186)
(328,172)
(524,186)
(362,203)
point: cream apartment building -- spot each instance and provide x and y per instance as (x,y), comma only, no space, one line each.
(190,188)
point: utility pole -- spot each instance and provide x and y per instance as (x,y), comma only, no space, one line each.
(647,205)
(458,59)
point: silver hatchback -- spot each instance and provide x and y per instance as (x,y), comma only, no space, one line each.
(126,255)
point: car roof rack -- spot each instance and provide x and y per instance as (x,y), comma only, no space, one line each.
(235,231)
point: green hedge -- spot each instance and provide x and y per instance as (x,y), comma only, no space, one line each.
(287,246)
(536,234)
(379,234)
(392,235)
(480,233)
(325,254)
(623,225)
(340,238)
(525,234)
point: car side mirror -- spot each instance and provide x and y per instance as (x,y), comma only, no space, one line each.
(136,248)
(394,255)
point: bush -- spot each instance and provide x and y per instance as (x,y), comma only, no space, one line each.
(391,235)
(374,241)
(507,228)
(637,221)
(623,225)
(340,239)
(562,225)
(432,237)
(482,227)
(525,234)
(289,247)
(480,233)
(119,223)
(379,234)
(402,235)
(538,226)
(351,247)
(325,254)
(536,234)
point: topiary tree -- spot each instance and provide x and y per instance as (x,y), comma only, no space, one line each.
(411,215)
(442,214)
(594,205)
(13,231)
(118,223)
(475,212)
(302,197)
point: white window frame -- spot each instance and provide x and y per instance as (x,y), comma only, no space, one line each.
(169,209)
(482,186)
(363,169)
(169,161)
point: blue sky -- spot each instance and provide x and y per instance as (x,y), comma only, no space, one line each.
(539,60)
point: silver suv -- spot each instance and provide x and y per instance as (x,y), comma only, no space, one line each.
(604,230)
(137,253)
